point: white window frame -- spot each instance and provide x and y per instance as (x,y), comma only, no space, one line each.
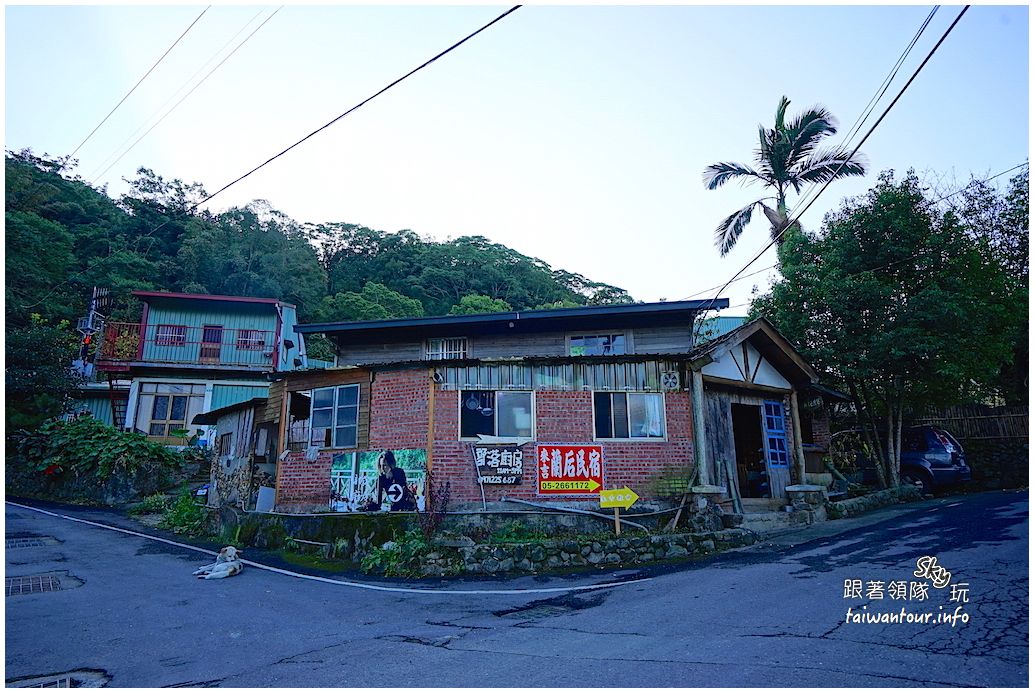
(335,443)
(628,414)
(168,335)
(618,333)
(251,340)
(446,348)
(495,413)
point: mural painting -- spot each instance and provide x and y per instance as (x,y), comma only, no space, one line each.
(389,480)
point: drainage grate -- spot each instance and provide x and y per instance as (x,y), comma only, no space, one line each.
(32,583)
(23,543)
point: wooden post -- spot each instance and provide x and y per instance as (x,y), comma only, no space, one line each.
(430,416)
(617,521)
(798,446)
(699,428)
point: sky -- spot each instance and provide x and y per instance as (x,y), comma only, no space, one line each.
(574,134)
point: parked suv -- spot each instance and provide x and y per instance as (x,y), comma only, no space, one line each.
(932,459)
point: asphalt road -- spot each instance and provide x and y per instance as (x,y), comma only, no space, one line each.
(769,615)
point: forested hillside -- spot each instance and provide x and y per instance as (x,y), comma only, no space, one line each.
(64,237)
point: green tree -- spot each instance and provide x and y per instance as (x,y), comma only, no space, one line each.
(788,156)
(1002,222)
(39,379)
(375,302)
(472,304)
(897,304)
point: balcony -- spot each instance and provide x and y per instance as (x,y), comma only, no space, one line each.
(213,347)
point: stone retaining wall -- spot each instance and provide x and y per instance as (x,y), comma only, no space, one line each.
(553,554)
(857,506)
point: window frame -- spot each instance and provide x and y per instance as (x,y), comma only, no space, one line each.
(495,413)
(628,417)
(251,340)
(177,338)
(168,422)
(334,408)
(443,353)
(625,334)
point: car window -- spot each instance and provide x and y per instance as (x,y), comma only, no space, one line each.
(913,440)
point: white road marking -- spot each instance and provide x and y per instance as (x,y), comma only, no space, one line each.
(330,581)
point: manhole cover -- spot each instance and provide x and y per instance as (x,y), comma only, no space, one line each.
(80,678)
(29,584)
(23,543)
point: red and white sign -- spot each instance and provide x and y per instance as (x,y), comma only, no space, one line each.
(570,469)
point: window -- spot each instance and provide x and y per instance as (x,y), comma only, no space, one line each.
(335,417)
(441,349)
(775,435)
(252,340)
(628,415)
(170,335)
(484,412)
(597,345)
(225,444)
(168,413)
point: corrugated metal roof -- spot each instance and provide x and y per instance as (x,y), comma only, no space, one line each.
(713,328)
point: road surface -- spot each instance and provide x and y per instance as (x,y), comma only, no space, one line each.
(774,614)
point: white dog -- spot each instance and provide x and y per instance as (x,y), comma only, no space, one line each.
(227,564)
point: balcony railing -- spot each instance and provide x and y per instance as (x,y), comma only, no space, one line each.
(125,343)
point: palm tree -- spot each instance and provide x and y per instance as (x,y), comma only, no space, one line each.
(788,157)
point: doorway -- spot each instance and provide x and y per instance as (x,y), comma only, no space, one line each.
(749,444)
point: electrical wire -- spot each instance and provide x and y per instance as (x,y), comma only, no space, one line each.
(276,156)
(795,217)
(877,96)
(174,43)
(103,168)
(357,106)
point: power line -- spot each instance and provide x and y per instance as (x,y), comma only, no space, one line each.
(878,94)
(311,134)
(358,105)
(174,43)
(881,90)
(96,175)
(795,217)
(746,276)
(185,96)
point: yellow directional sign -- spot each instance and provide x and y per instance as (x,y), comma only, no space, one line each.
(618,498)
(589,485)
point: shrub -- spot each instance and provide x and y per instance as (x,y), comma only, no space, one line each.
(185,516)
(156,503)
(88,447)
(399,557)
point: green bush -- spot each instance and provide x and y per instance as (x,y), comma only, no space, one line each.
(88,447)
(156,503)
(399,557)
(185,516)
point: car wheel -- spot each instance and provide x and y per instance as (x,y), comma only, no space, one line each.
(915,479)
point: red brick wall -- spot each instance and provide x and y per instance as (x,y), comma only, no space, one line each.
(562,417)
(398,410)
(399,419)
(303,482)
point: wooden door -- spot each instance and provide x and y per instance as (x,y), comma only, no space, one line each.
(211,343)
(777,452)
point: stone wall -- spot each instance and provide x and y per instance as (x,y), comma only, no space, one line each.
(872,501)
(557,554)
(998,463)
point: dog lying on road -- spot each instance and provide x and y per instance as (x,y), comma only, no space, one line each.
(227,564)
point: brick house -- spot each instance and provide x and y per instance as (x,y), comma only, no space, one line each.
(542,406)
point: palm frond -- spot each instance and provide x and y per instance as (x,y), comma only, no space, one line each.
(784,103)
(807,130)
(721,173)
(728,232)
(829,164)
